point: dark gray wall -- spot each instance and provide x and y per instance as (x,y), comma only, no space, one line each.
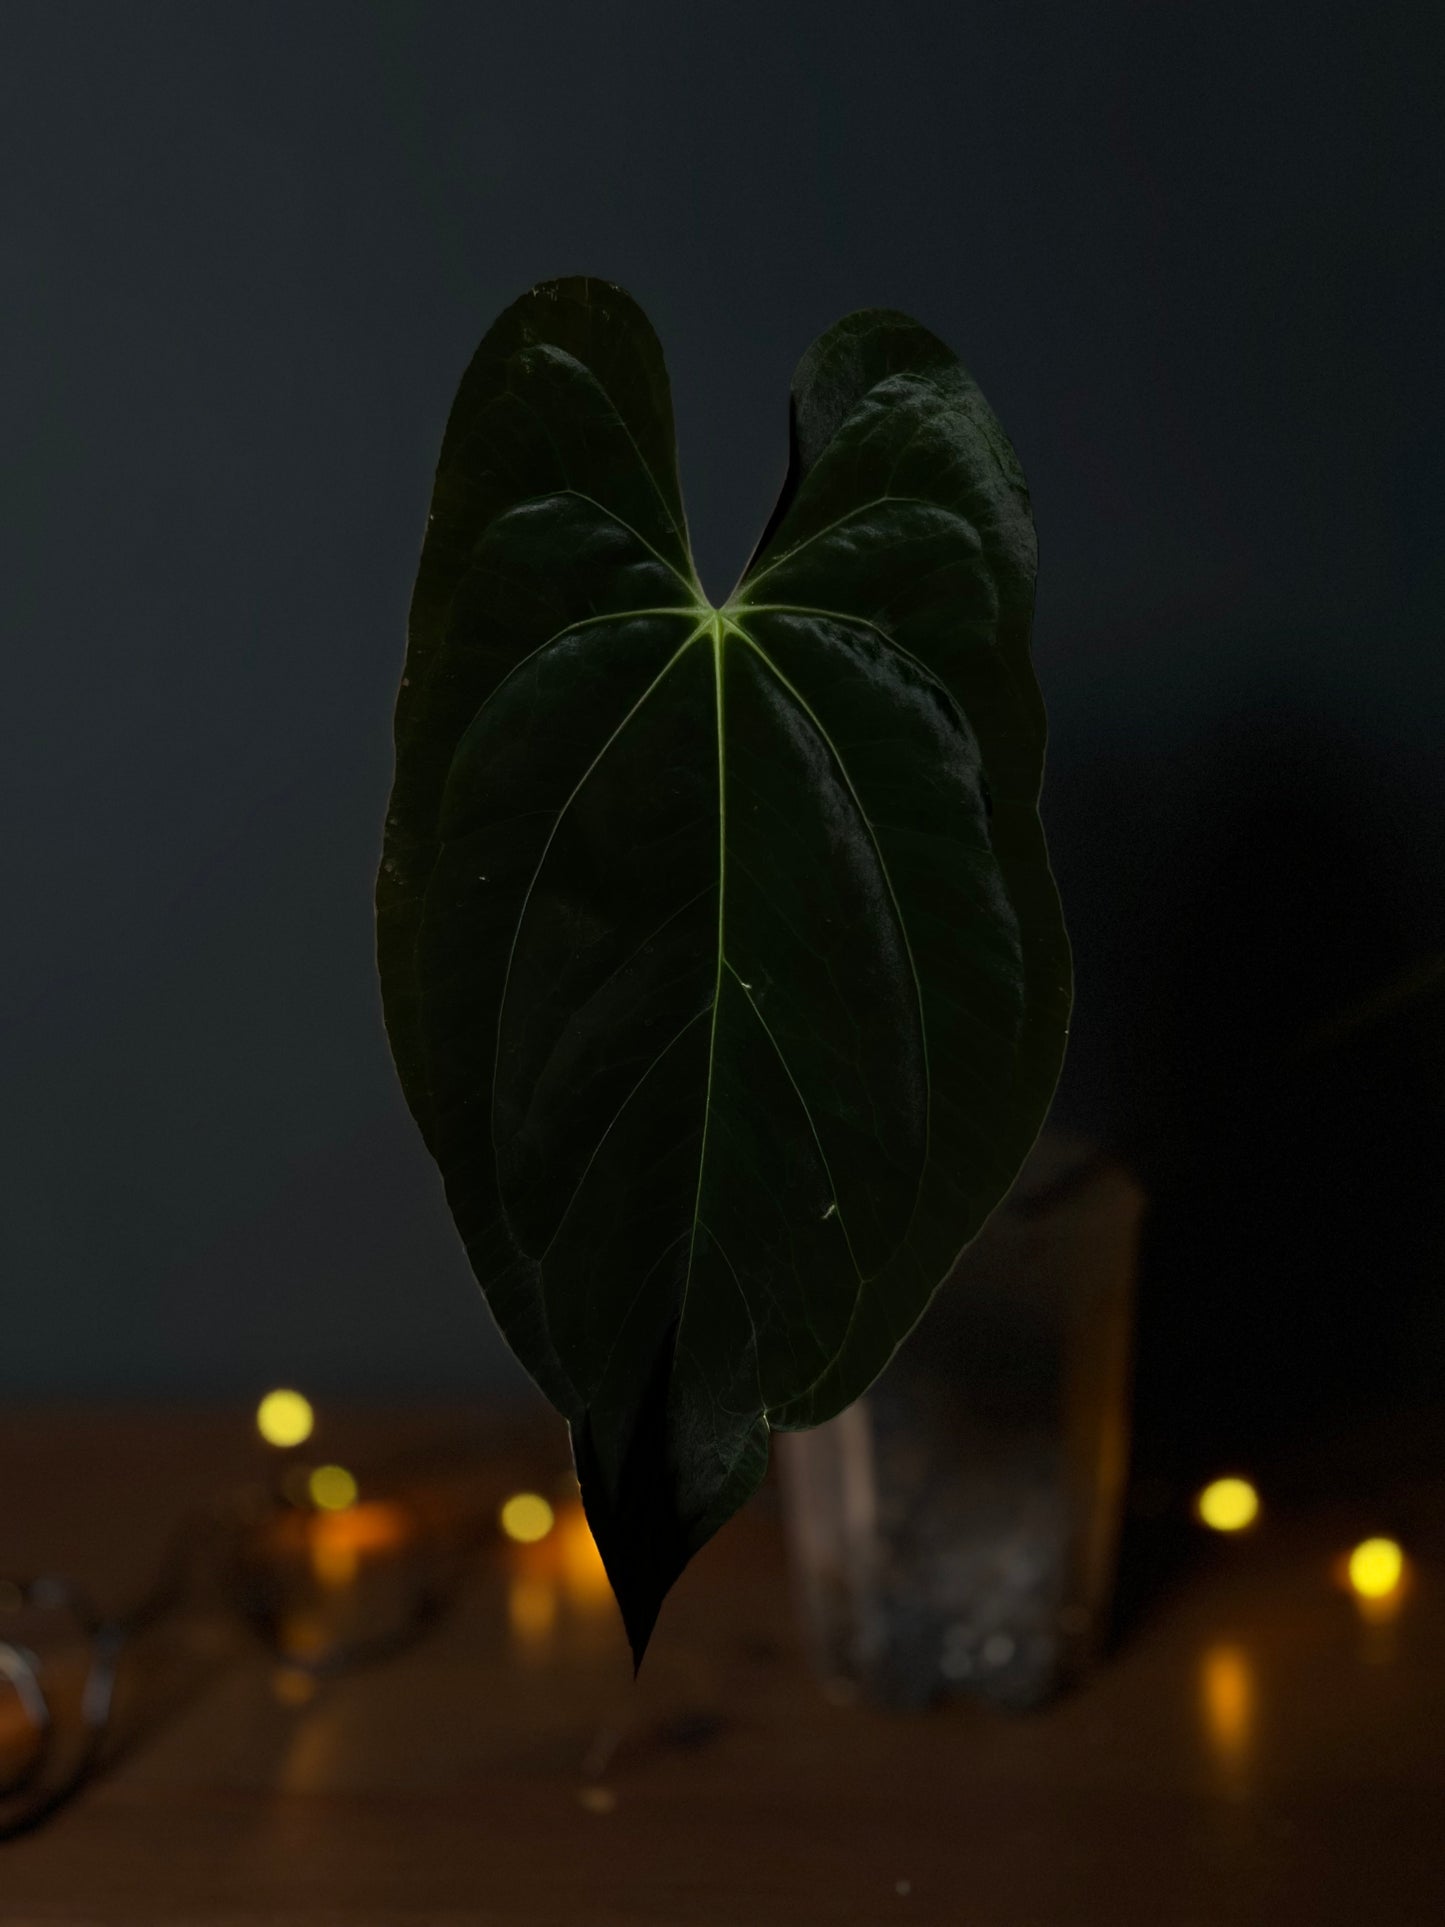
(1192,253)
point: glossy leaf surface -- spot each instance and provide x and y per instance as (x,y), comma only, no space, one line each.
(721,960)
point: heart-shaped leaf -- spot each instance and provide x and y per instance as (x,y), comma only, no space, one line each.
(721,960)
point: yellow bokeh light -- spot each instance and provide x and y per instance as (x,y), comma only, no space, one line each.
(285,1418)
(526,1517)
(332,1488)
(1376,1568)
(1228,1505)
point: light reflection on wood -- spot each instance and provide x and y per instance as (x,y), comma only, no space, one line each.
(313,1748)
(305,1636)
(1227,1704)
(531,1611)
(557,1582)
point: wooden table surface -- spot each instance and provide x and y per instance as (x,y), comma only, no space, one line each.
(1256,1751)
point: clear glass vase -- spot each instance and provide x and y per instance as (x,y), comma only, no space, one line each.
(955,1531)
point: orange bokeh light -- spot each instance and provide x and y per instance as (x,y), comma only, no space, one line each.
(337,1541)
(583,1574)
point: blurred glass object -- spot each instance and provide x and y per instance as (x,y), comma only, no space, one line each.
(955,1531)
(24,1719)
(325,1589)
(57,1682)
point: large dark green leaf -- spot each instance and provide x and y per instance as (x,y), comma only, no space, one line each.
(722,963)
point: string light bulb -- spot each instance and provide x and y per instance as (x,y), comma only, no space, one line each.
(284,1418)
(1228,1505)
(1376,1568)
(526,1517)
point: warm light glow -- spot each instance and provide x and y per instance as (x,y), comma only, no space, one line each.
(531,1609)
(337,1539)
(527,1517)
(1376,1568)
(293,1685)
(1228,1505)
(375,1525)
(285,1418)
(332,1488)
(1227,1701)
(303,1636)
(583,1573)
(22,1725)
(334,1562)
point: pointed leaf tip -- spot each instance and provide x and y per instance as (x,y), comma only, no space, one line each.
(643,1544)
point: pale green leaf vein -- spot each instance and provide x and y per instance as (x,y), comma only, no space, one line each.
(807,709)
(716,625)
(863,508)
(677,1037)
(571,798)
(772,1038)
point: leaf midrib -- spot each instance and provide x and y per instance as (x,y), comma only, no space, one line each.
(716,625)
(724,620)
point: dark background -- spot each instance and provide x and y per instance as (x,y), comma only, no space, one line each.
(1192,252)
